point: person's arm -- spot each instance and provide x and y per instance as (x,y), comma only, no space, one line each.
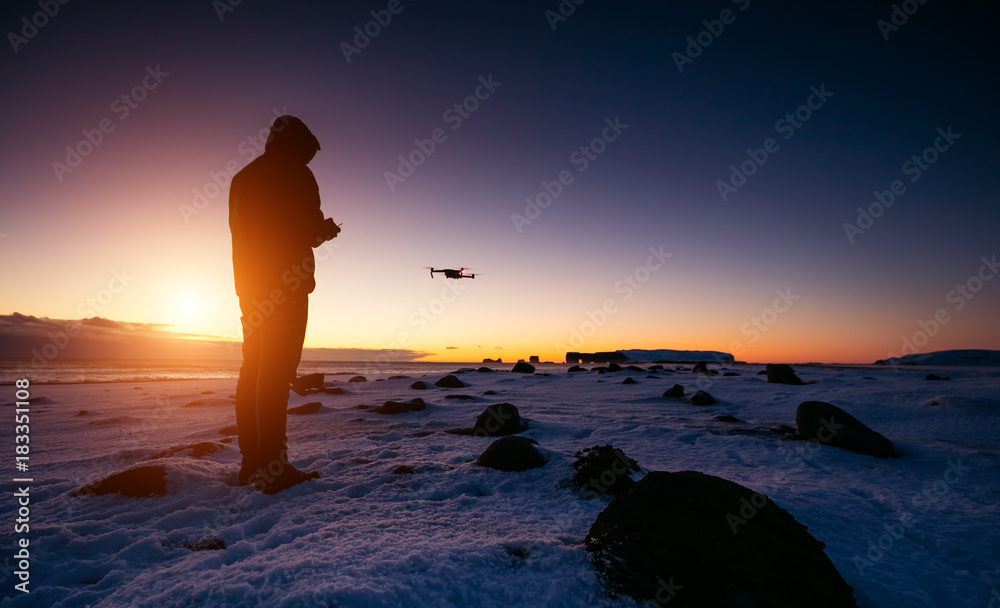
(309,224)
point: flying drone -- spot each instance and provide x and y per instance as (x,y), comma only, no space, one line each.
(451,273)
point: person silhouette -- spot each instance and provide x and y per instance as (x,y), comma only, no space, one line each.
(275,221)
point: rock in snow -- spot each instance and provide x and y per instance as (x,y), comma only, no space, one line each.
(701,398)
(512,454)
(779,373)
(674,392)
(603,470)
(499,420)
(303,384)
(833,426)
(450,381)
(693,540)
(400,407)
(140,482)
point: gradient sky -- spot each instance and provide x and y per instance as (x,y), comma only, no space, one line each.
(127,207)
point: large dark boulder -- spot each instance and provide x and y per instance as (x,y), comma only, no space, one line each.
(450,381)
(695,540)
(512,454)
(603,469)
(833,426)
(523,368)
(419,385)
(499,420)
(779,373)
(140,482)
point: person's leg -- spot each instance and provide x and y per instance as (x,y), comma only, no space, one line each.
(246,397)
(282,339)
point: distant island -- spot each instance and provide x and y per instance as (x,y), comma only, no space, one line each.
(946,357)
(650,356)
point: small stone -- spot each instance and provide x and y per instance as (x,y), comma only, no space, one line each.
(450,381)
(401,407)
(306,409)
(303,384)
(674,392)
(701,398)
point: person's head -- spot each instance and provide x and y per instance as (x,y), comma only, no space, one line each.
(290,137)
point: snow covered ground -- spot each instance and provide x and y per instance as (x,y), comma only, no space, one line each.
(915,531)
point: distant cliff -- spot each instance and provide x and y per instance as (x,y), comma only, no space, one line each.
(651,356)
(947,357)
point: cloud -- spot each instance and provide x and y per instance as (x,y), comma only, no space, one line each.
(43,339)
(451,348)
(375,355)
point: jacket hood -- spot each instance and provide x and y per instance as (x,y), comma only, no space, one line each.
(291,138)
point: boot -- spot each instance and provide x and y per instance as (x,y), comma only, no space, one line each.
(279,474)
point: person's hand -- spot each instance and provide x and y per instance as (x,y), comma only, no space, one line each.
(330,229)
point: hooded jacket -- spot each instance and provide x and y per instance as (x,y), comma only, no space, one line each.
(275,216)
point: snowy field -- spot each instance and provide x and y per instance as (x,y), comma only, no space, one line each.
(456,534)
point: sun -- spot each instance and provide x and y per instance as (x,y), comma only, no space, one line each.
(187,307)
